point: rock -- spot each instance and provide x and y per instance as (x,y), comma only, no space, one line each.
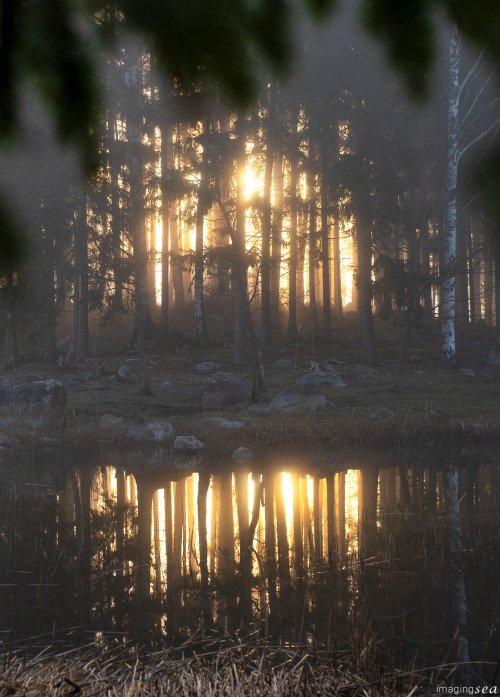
(166,385)
(32,392)
(383,415)
(492,360)
(187,461)
(6,440)
(242,455)
(467,371)
(206,367)
(258,406)
(55,412)
(187,444)
(111,421)
(331,365)
(419,372)
(217,422)
(298,397)
(126,374)
(226,391)
(349,372)
(282,364)
(143,430)
(321,378)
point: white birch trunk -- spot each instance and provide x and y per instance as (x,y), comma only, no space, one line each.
(450,233)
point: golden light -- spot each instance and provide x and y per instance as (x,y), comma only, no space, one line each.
(351,510)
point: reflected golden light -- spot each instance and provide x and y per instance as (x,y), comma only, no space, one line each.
(286,483)
(351,510)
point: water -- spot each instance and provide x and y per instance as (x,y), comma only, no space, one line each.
(368,553)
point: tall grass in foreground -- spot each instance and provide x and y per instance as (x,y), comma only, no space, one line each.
(241,669)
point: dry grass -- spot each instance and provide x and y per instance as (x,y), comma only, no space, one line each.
(233,671)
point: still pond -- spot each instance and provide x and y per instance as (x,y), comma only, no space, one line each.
(400,553)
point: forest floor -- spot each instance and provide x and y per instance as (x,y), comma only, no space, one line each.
(432,402)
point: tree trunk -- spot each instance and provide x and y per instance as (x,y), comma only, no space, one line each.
(238,242)
(165,154)
(337,273)
(137,212)
(448,345)
(292,268)
(276,234)
(203,205)
(312,240)
(266,331)
(325,244)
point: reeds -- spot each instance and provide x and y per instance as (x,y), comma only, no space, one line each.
(260,671)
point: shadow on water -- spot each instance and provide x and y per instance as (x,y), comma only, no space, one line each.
(394,562)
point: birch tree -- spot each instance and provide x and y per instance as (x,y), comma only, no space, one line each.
(467,111)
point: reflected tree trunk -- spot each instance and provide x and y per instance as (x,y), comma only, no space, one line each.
(203,486)
(451,493)
(369,487)
(297,527)
(270,542)
(330,515)
(282,536)
(156,533)
(143,576)
(341,546)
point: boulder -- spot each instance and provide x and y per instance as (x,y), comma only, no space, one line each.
(217,422)
(321,377)
(187,444)
(331,365)
(298,397)
(467,371)
(111,421)
(206,367)
(242,455)
(225,391)
(492,360)
(283,364)
(31,392)
(126,374)
(384,415)
(142,430)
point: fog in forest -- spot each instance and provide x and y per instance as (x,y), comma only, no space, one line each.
(249,382)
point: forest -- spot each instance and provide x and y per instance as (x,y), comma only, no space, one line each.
(331,195)
(249,414)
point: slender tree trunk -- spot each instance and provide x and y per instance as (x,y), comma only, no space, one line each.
(448,349)
(293,242)
(137,212)
(337,269)
(364,238)
(276,235)
(312,240)
(325,244)
(203,205)
(240,277)
(166,156)
(266,331)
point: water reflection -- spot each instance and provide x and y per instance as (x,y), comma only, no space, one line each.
(158,553)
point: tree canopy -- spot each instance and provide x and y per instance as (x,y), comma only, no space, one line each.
(52,47)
